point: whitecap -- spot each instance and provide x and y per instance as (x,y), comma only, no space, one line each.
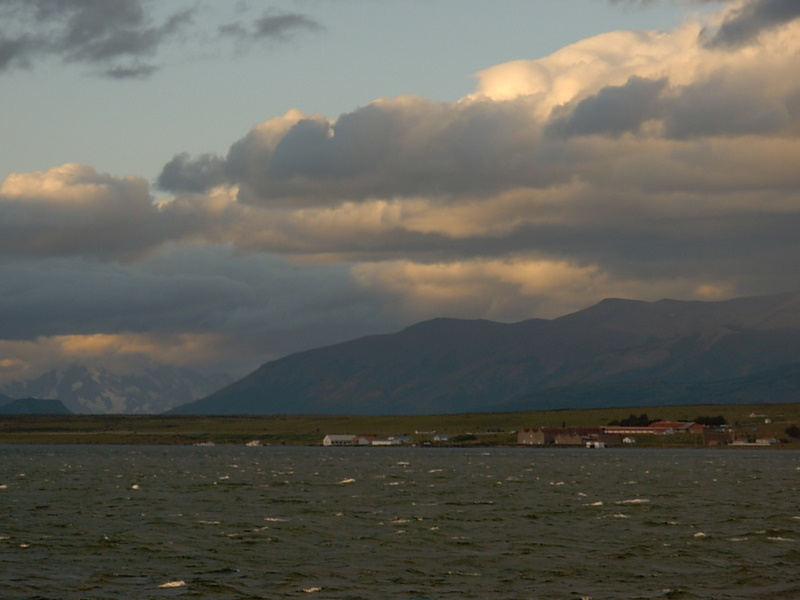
(312,590)
(173,584)
(699,534)
(348,480)
(634,501)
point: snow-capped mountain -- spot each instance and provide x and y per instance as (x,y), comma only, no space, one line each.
(99,391)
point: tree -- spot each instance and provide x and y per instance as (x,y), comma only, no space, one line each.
(633,421)
(711,421)
(793,431)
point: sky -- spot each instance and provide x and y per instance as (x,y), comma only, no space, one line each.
(218,184)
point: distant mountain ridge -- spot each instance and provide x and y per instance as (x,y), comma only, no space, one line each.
(101,391)
(32,406)
(650,352)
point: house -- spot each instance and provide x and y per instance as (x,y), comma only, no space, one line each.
(338,440)
(670,427)
(402,439)
(364,440)
(717,437)
(386,442)
(557,436)
(656,428)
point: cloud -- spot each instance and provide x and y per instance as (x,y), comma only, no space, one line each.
(120,39)
(614,110)
(626,144)
(185,174)
(639,164)
(504,289)
(745,23)
(272,26)
(189,306)
(281,26)
(112,36)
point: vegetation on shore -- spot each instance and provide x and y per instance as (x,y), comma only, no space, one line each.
(748,420)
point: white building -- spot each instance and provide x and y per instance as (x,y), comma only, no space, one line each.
(333,439)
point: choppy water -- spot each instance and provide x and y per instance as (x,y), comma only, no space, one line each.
(82,522)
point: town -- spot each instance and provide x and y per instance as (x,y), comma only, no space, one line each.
(711,432)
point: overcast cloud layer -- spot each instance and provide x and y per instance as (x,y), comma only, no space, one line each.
(633,164)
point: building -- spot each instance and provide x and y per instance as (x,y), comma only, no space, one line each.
(560,436)
(338,440)
(656,428)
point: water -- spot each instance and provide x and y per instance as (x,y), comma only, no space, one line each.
(83,522)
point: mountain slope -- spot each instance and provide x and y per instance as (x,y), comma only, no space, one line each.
(33,406)
(450,365)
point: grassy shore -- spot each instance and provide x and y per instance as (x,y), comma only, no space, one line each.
(463,429)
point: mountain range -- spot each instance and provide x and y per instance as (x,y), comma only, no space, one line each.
(615,353)
(31,406)
(83,389)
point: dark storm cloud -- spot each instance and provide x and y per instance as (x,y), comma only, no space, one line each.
(718,106)
(400,146)
(114,35)
(744,25)
(269,306)
(614,110)
(721,107)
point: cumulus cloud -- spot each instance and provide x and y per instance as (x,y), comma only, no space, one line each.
(613,110)
(185,174)
(624,154)
(639,164)
(748,20)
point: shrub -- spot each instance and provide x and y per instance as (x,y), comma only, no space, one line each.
(793,431)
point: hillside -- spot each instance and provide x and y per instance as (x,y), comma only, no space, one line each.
(32,406)
(640,352)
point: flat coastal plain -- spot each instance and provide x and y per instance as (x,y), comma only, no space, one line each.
(479,429)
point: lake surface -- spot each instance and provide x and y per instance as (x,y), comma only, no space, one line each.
(114,522)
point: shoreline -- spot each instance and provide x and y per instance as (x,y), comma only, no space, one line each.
(750,421)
